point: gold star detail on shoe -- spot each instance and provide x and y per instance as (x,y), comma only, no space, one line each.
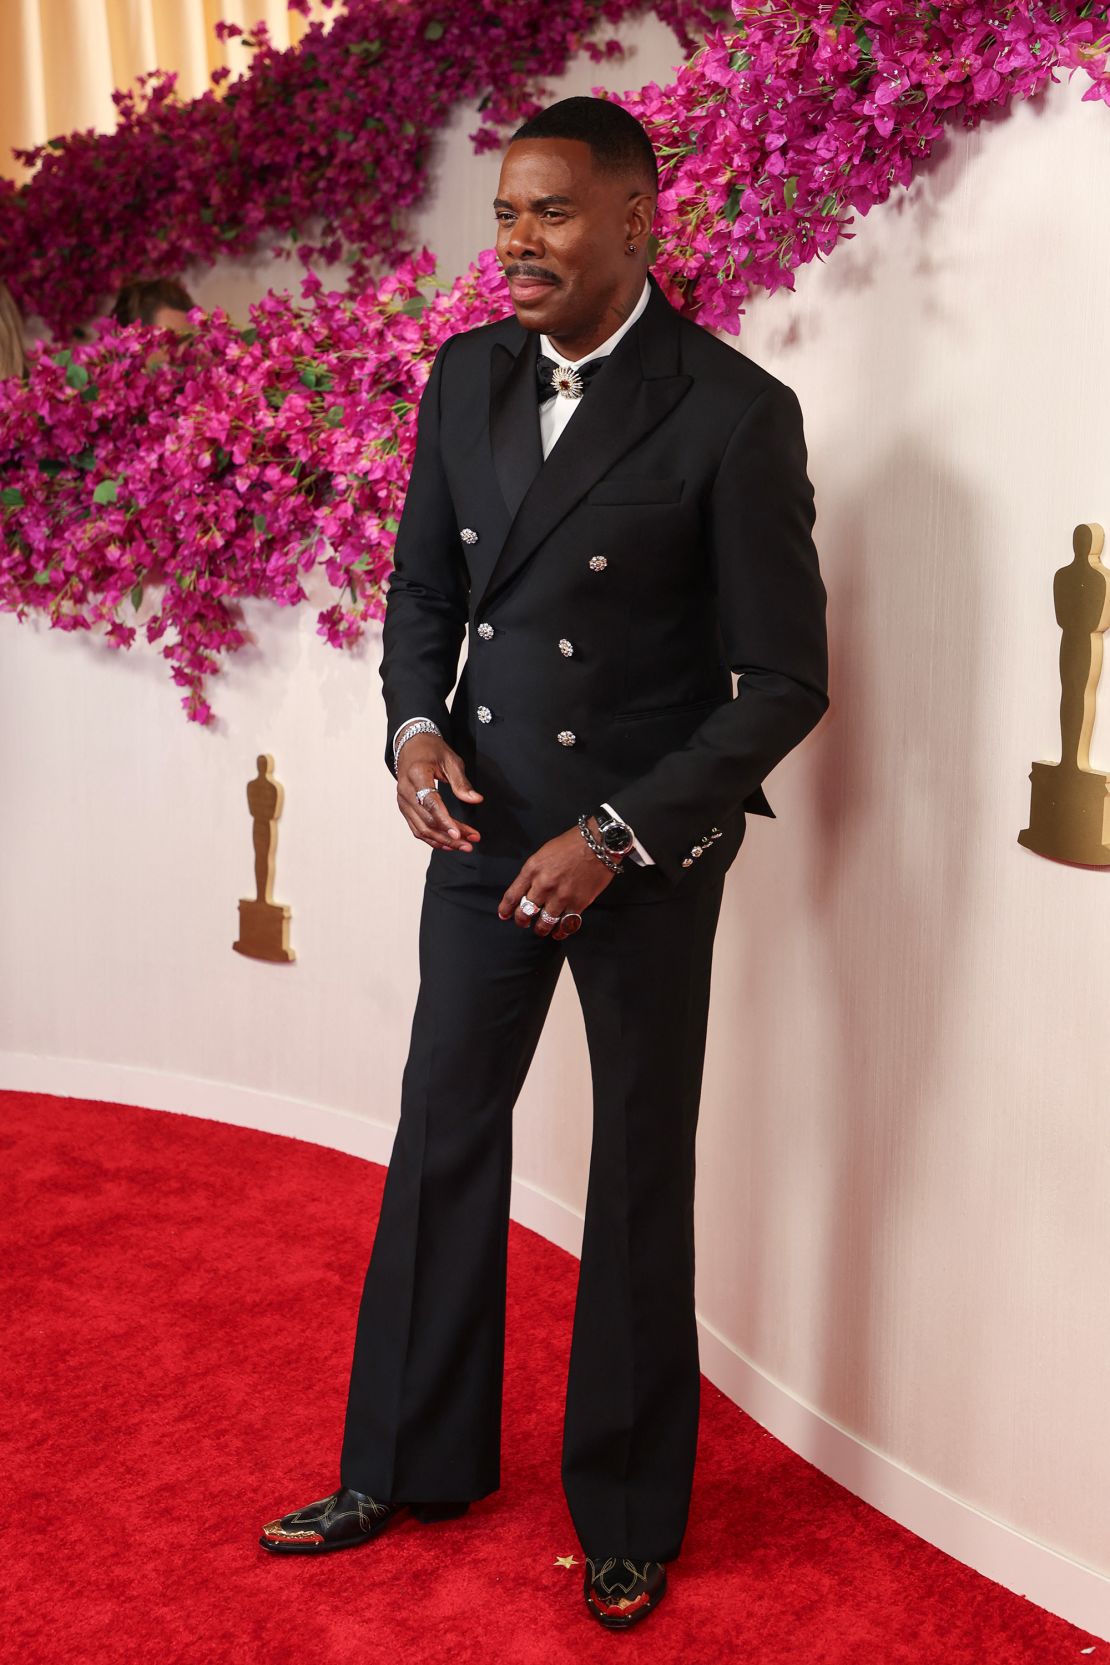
(566,1561)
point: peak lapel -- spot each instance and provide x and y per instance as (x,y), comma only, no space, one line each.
(638,387)
(514,419)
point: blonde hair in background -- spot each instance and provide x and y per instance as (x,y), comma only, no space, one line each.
(13,358)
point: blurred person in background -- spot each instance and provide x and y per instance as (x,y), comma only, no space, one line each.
(160,303)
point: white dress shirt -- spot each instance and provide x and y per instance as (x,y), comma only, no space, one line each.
(555,413)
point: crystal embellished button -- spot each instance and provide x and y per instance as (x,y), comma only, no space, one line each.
(598,563)
(468,536)
(565,737)
(696,850)
(566,648)
(485,715)
(686,862)
(485,631)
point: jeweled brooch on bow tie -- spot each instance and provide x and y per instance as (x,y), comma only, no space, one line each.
(566,382)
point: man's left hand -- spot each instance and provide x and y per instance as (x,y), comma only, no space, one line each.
(564,876)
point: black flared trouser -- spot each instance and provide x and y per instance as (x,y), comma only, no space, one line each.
(424,1408)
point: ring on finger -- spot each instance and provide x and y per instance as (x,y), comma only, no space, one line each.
(548,918)
(571,922)
(424,792)
(527,906)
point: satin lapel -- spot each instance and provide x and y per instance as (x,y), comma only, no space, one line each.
(514,420)
(629,398)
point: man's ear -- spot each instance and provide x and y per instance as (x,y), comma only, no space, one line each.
(641,214)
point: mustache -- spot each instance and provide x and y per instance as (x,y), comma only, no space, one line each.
(524,271)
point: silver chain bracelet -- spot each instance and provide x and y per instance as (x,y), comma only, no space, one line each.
(422,725)
(599,851)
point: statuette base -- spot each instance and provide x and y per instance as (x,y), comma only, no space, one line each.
(1069,815)
(264,932)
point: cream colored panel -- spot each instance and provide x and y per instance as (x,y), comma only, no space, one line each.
(62,59)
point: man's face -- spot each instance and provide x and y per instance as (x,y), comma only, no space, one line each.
(563,229)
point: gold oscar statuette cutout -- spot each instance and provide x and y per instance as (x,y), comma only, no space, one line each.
(263,924)
(1069,811)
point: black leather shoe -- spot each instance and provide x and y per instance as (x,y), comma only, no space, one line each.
(620,1592)
(343,1521)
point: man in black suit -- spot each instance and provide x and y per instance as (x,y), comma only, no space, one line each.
(613,507)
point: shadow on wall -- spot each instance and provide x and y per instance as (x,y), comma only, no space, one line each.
(895,789)
(881,914)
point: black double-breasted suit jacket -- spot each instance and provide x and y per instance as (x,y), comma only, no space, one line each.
(606,594)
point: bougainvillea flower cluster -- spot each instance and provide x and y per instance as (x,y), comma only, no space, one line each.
(224,464)
(796,115)
(231,463)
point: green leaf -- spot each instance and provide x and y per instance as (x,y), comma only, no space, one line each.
(87,394)
(790,190)
(137,597)
(435,30)
(63,358)
(11,497)
(106,492)
(334,416)
(260,524)
(276,397)
(732,204)
(44,576)
(391,525)
(308,376)
(249,336)
(414,307)
(344,136)
(85,460)
(77,376)
(50,467)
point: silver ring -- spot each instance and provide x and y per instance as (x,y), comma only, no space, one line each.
(565,922)
(423,793)
(549,918)
(527,906)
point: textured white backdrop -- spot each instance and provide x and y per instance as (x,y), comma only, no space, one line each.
(903,1149)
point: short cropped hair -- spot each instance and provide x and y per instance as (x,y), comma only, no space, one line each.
(618,142)
(138,302)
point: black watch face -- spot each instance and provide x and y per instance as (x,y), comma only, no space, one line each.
(616,838)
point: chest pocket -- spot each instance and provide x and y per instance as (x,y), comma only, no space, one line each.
(629,491)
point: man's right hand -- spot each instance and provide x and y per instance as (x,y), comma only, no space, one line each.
(423,760)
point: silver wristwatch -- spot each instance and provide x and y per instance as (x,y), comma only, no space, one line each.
(616,836)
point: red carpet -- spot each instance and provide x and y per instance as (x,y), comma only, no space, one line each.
(179,1316)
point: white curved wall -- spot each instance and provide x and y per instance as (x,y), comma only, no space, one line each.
(903,1158)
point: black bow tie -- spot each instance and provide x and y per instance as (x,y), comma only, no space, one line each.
(568,381)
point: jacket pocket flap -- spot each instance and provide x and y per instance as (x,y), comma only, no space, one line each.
(631,491)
